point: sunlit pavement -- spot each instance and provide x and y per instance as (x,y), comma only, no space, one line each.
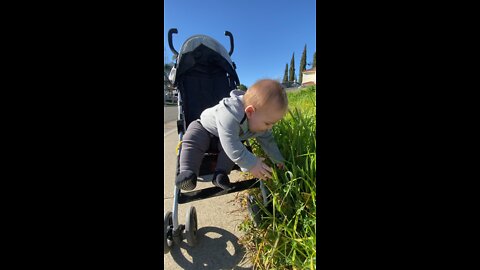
(218,219)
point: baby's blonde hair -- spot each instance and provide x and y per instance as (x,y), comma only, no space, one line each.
(266,92)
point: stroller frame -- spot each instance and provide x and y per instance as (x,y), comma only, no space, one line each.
(174,233)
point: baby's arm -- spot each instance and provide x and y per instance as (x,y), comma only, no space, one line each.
(268,144)
(228,129)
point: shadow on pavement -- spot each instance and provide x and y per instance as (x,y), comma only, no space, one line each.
(211,251)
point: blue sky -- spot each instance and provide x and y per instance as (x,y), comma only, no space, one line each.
(265,32)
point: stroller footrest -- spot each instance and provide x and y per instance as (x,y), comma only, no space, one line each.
(210,192)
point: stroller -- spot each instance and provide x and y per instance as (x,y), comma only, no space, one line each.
(203,74)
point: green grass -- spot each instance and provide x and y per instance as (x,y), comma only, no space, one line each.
(303,99)
(286,237)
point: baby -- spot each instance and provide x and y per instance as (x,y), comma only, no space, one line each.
(241,116)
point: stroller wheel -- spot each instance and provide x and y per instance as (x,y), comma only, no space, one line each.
(254,210)
(191,227)
(167,229)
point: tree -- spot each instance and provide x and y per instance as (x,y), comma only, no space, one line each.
(292,69)
(314,59)
(167,67)
(242,87)
(165,57)
(303,63)
(285,76)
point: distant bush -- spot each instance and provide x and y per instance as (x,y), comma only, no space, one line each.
(242,87)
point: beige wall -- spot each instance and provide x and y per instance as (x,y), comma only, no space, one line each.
(309,77)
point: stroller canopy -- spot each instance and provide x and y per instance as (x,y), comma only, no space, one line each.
(200,52)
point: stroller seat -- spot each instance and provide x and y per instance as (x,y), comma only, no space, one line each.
(204,75)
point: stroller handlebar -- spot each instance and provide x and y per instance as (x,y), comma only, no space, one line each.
(170,43)
(175,31)
(227,33)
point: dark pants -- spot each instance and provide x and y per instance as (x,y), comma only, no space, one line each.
(196,142)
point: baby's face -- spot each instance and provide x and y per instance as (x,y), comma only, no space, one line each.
(263,120)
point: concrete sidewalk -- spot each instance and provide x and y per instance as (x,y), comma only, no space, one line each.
(218,218)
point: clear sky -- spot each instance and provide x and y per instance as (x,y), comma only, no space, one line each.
(266,32)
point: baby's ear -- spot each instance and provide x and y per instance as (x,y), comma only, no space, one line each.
(249,110)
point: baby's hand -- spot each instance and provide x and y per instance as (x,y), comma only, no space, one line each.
(261,170)
(281,166)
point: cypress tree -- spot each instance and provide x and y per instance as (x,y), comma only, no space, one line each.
(314,59)
(292,69)
(303,63)
(285,75)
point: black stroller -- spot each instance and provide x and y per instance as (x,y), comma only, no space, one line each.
(203,74)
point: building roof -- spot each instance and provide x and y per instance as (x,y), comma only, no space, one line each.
(308,83)
(312,70)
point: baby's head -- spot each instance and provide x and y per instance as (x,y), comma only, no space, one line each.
(265,104)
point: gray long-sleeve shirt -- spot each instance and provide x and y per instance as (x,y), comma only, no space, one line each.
(224,120)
